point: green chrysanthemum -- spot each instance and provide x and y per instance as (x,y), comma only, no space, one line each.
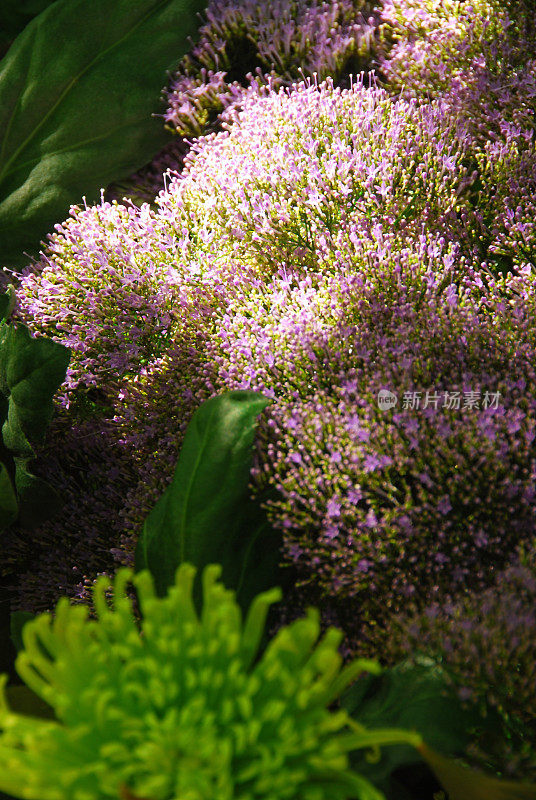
(178,707)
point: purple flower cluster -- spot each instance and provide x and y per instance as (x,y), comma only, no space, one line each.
(299,171)
(480,59)
(322,248)
(486,644)
(283,39)
(377,506)
(430,49)
(112,287)
(321,162)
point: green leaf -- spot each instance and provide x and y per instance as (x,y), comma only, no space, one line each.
(470,784)
(206,515)
(77,90)
(7,302)
(31,371)
(18,620)
(413,695)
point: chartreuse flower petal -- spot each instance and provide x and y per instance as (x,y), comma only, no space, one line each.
(177,705)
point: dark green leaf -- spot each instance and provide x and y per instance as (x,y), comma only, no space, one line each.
(7,302)
(411,695)
(17,622)
(31,370)
(206,515)
(469,784)
(77,90)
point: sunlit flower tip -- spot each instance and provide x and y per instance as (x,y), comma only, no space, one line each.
(166,704)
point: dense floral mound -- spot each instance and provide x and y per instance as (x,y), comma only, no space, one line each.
(479,57)
(242,46)
(285,40)
(327,245)
(380,505)
(337,213)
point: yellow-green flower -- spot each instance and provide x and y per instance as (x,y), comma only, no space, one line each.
(180,706)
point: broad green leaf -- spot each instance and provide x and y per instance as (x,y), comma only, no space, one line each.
(206,515)
(469,784)
(31,371)
(17,622)
(413,695)
(77,91)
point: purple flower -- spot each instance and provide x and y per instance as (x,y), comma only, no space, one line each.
(331,532)
(371,462)
(371,519)
(444,505)
(333,507)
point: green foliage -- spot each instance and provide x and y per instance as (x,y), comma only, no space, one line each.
(206,515)
(466,784)
(413,694)
(181,705)
(31,370)
(77,89)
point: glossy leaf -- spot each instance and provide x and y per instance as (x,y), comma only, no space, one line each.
(206,515)
(77,91)
(411,695)
(468,784)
